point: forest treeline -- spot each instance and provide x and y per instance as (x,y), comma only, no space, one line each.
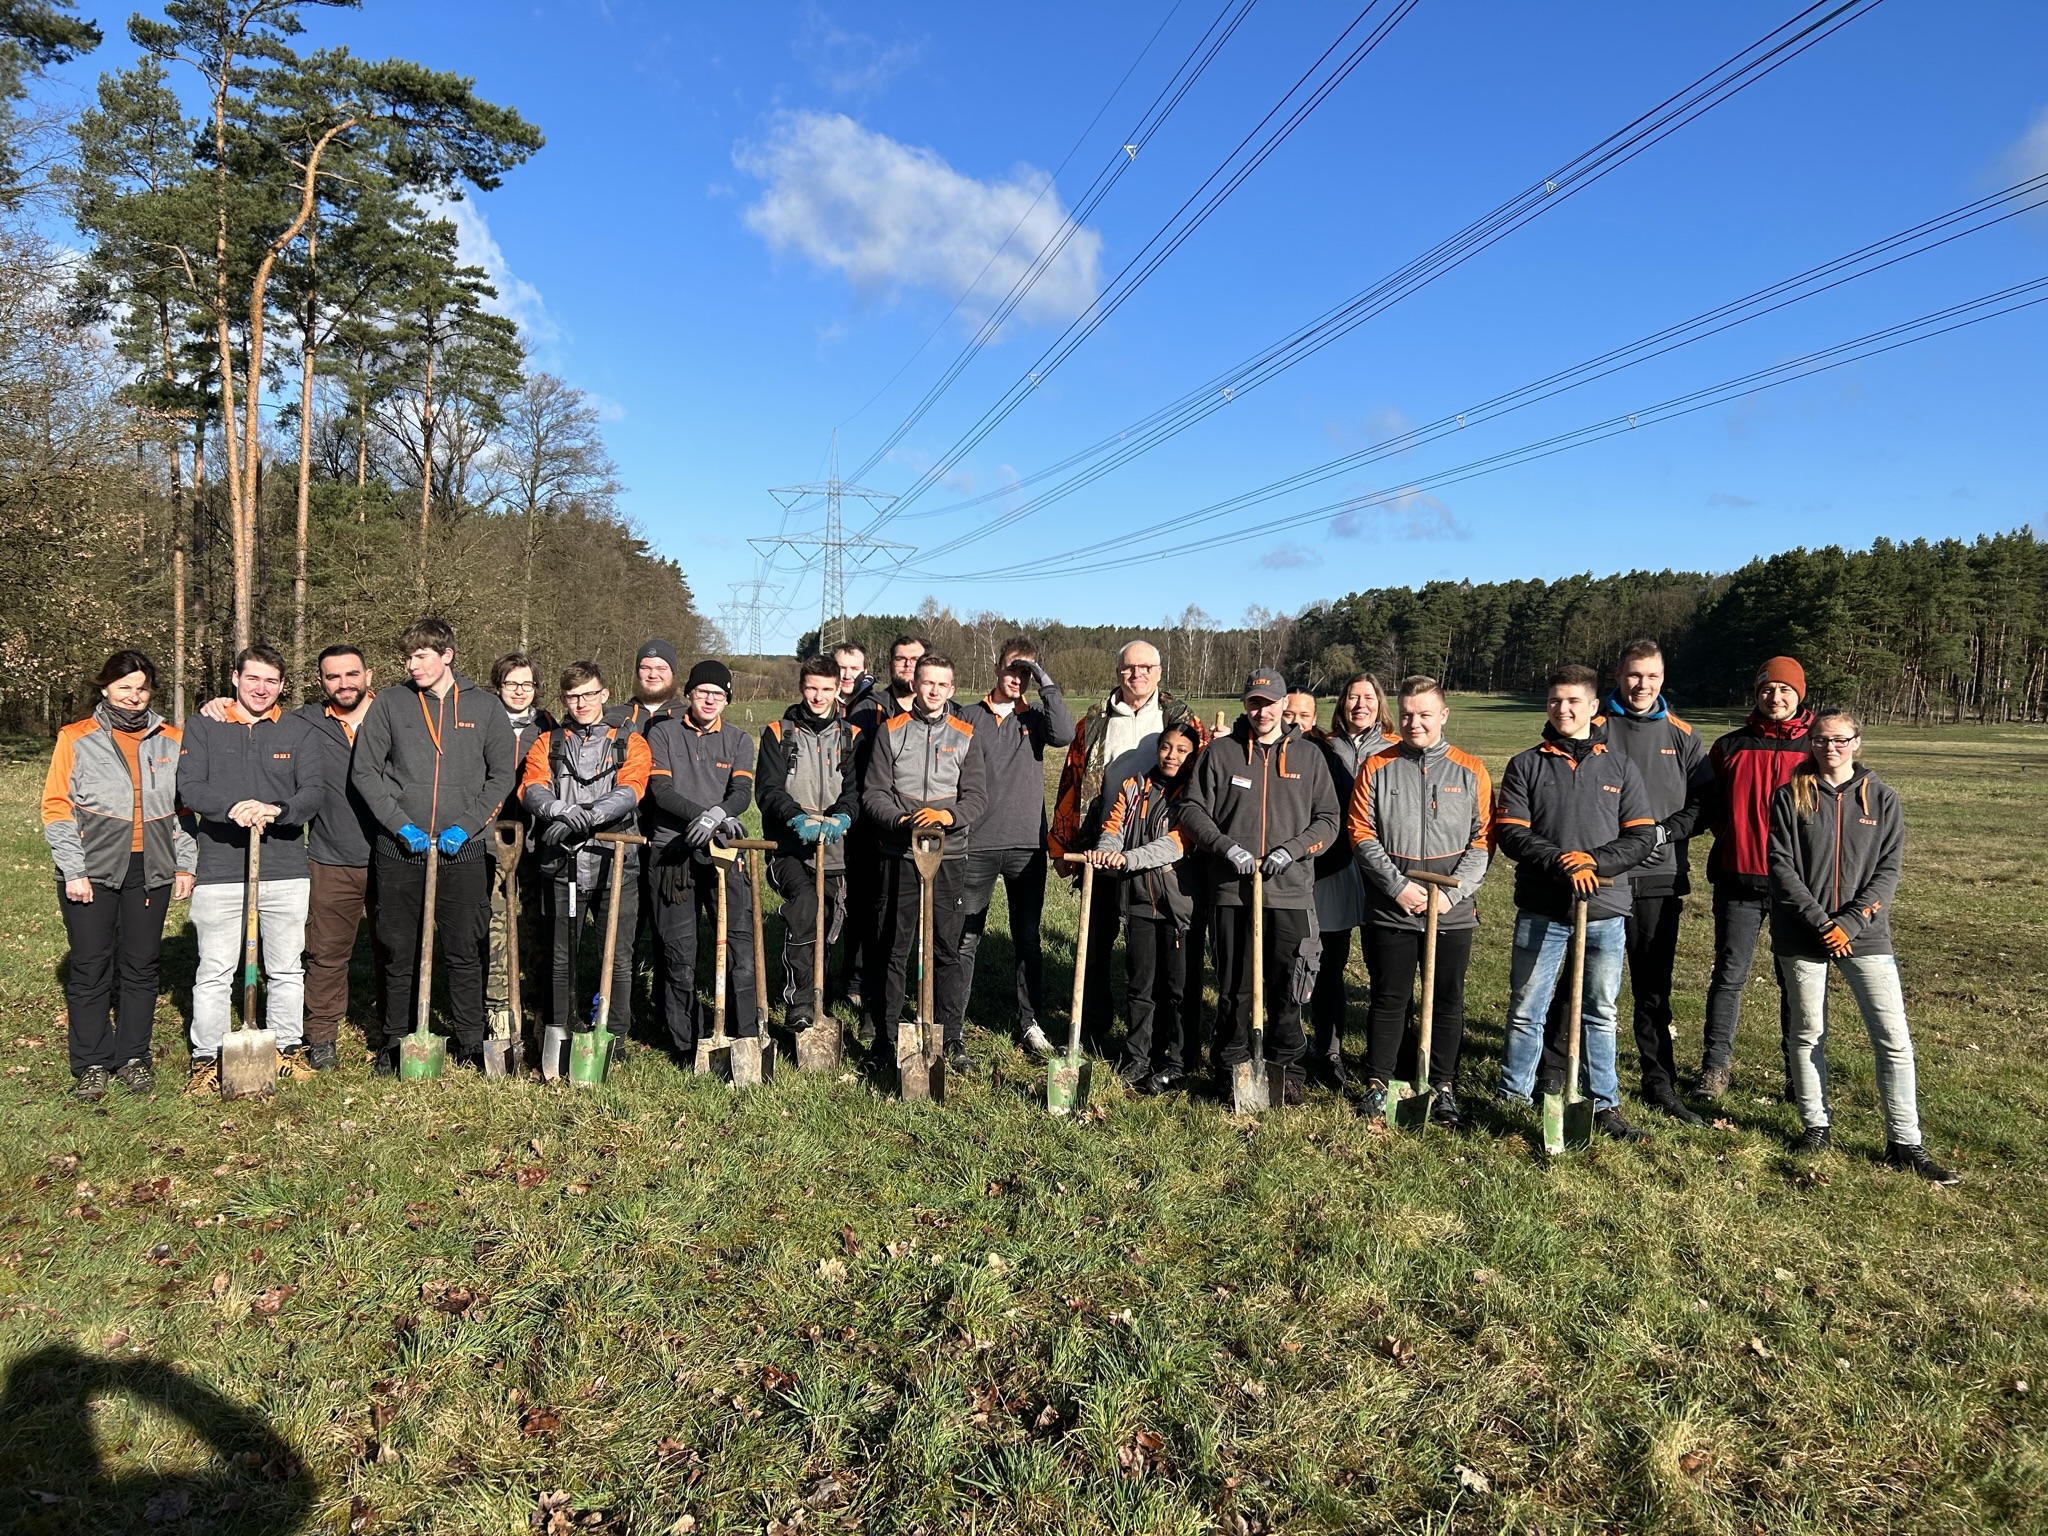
(268,400)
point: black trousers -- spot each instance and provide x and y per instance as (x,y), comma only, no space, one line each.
(569,914)
(1287,933)
(795,881)
(1098,997)
(1326,1006)
(861,961)
(1022,871)
(688,890)
(1194,1009)
(462,924)
(1651,934)
(1156,965)
(119,933)
(1739,922)
(898,941)
(1394,956)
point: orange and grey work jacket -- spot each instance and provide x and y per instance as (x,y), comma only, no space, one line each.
(1158,883)
(97,815)
(1262,797)
(1420,808)
(922,761)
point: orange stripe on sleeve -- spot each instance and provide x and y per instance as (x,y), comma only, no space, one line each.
(639,764)
(535,769)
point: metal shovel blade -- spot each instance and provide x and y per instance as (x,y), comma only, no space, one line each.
(554,1053)
(913,1068)
(1066,1084)
(1552,1110)
(819,1048)
(746,1061)
(1408,1107)
(714,1056)
(498,1058)
(590,1057)
(248,1064)
(1578,1124)
(1251,1088)
(935,1077)
(422,1057)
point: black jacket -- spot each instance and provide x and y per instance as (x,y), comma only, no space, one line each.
(342,830)
(1013,758)
(807,767)
(694,770)
(226,762)
(1262,798)
(1564,795)
(1672,761)
(1838,865)
(436,763)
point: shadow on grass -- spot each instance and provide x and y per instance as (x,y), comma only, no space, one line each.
(49,1453)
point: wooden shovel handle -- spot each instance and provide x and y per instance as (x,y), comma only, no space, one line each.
(623,838)
(752,844)
(1424,877)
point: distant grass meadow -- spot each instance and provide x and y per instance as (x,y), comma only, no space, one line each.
(668,1307)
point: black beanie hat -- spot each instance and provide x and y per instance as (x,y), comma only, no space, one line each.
(713,671)
(660,648)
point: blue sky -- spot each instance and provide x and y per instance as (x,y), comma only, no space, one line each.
(748,219)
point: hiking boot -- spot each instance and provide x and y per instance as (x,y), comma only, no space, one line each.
(866,1033)
(205,1077)
(1036,1044)
(1612,1124)
(958,1062)
(134,1075)
(1443,1110)
(386,1062)
(1710,1084)
(322,1057)
(1372,1104)
(1914,1159)
(1812,1141)
(1329,1074)
(91,1086)
(1134,1076)
(1677,1109)
(293,1067)
(1292,1092)
(1163,1082)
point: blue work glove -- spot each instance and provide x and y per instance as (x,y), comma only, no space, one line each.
(412,839)
(806,827)
(450,842)
(699,832)
(1276,861)
(1241,859)
(836,826)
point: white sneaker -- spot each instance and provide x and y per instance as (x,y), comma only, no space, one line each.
(1036,1043)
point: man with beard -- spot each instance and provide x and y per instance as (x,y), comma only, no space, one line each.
(654,699)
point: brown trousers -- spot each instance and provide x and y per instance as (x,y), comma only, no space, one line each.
(339,898)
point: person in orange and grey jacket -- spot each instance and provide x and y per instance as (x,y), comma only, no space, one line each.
(1747,766)
(110,817)
(1009,842)
(925,772)
(1837,841)
(1263,799)
(433,762)
(1421,805)
(806,784)
(1116,738)
(1141,842)
(581,778)
(701,781)
(1359,726)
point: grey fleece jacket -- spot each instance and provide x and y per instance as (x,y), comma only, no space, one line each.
(1013,765)
(437,763)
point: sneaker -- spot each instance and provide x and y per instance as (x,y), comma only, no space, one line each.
(91,1086)
(1443,1110)
(1676,1108)
(1372,1104)
(323,1057)
(205,1077)
(1134,1075)
(1612,1124)
(1812,1141)
(134,1075)
(1914,1159)
(1710,1084)
(958,1062)
(1036,1043)
(1163,1082)
(293,1067)
(1292,1092)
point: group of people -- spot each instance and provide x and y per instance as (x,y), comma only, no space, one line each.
(1358,827)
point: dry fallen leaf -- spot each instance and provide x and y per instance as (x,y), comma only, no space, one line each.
(267,1303)
(848,1243)
(1471,1481)
(529,1176)
(539,1420)
(1756,1346)
(832,1271)
(1691,1462)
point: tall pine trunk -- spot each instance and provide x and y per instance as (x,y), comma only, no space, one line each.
(307,351)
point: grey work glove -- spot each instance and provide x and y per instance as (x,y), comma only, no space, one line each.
(704,828)
(1040,678)
(1276,861)
(572,819)
(1241,859)
(730,828)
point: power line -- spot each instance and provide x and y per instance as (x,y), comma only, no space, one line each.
(831,541)
(746,617)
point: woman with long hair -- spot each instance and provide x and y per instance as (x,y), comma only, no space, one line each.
(110,816)
(1361,723)
(1837,838)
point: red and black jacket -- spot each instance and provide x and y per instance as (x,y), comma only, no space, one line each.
(1749,765)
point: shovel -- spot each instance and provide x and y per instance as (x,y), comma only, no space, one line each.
(424,1054)
(715,1055)
(1410,1112)
(1066,1080)
(505,1056)
(1251,1086)
(818,1048)
(248,1057)
(920,1068)
(1568,1116)
(590,1053)
(753,1056)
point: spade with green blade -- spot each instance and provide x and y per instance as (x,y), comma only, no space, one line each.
(1410,1112)
(1568,1115)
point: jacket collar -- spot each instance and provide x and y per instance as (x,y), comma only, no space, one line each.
(1618,710)
(800,716)
(1782,730)
(1572,747)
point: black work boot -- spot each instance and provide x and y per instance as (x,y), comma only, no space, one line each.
(1812,1141)
(1612,1123)
(1914,1159)
(1671,1105)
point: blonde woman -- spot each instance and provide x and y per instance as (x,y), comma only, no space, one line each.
(1836,842)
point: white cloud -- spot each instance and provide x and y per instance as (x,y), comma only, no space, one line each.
(1409,515)
(2030,155)
(518,300)
(892,216)
(851,63)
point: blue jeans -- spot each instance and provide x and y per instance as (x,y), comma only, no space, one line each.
(1542,946)
(1874,985)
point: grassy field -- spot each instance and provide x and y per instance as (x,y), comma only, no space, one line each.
(667,1307)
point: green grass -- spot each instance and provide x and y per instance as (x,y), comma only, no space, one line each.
(808,1308)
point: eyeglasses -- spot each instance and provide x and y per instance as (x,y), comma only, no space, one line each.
(515,687)
(582,696)
(1839,743)
(1138,666)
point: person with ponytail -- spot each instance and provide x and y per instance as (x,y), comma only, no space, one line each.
(110,817)
(1837,838)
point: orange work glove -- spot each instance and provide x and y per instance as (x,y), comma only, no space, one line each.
(1836,937)
(931,816)
(1578,868)
(1571,863)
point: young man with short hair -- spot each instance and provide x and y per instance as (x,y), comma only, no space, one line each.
(1418,806)
(701,780)
(863,958)
(1009,841)
(924,771)
(1263,799)
(580,778)
(856,682)
(515,681)
(808,787)
(433,762)
(253,775)
(1571,813)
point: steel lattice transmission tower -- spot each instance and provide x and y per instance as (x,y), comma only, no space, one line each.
(832,542)
(745,615)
